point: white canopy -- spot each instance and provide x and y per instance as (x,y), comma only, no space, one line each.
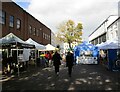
(37,45)
(13,39)
(99,45)
(109,45)
(49,47)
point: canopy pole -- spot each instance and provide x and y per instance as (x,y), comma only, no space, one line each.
(18,63)
(38,53)
(11,53)
(7,53)
(35,57)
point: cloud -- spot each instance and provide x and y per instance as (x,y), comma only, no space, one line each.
(89,12)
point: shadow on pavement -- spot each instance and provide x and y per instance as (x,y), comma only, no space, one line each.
(84,77)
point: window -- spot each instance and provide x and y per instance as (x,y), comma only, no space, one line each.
(18,23)
(30,29)
(2,17)
(11,21)
(49,37)
(34,31)
(112,34)
(100,39)
(116,33)
(46,36)
(92,42)
(96,41)
(37,32)
(104,38)
(43,35)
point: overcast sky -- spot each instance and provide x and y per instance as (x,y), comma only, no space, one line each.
(91,13)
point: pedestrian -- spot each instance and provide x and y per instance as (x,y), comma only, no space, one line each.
(50,58)
(43,60)
(47,58)
(56,62)
(69,62)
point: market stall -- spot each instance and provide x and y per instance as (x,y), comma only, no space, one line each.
(86,53)
(111,51)
(38,48)
(10,42)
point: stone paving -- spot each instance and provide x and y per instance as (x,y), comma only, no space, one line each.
(84,77)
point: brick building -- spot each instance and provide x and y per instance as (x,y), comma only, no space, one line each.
(16,20)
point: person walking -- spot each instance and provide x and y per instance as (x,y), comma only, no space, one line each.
(56,62)
(47,58)
(50,58)
(69,62)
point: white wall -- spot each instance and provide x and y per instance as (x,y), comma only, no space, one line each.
(103,28)
(113,31)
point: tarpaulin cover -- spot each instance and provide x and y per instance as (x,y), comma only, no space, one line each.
(85,46)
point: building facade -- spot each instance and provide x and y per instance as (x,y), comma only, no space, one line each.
(16,20)
(101,34)
(53,38)
(113,30)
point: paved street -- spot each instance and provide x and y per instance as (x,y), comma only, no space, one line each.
(84,77)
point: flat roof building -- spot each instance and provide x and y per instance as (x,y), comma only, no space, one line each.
(101,34)
(16,20)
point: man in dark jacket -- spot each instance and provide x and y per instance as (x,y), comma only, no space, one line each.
(69,62)
(56,61)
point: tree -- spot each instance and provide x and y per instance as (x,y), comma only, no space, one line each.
(69,32)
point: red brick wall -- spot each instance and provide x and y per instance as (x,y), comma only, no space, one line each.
(10,8)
